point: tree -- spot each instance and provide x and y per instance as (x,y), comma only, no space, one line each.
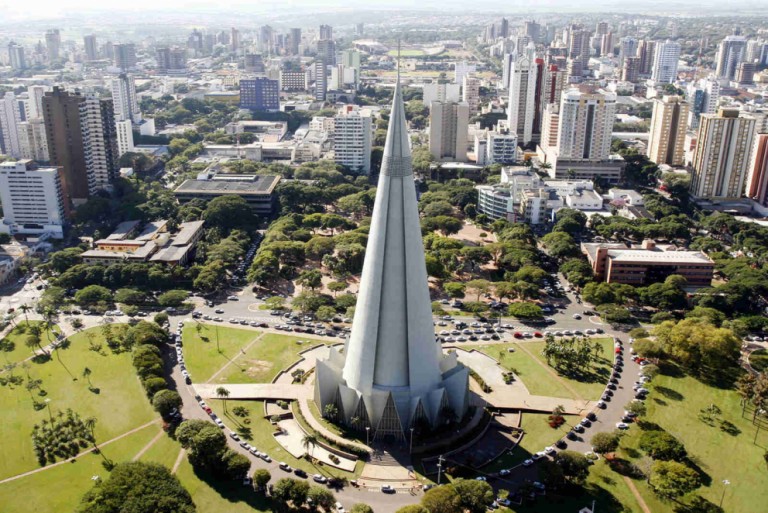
(129,296)
(261,478)
(229,212)
(442,499)
(235,465)
(672,479)
(525,311)
(275,302)
(614,314)
(325,313)
(165,401)
(454,289)
(365,508)
(321,497)
(138,487)
(311,279)
(560,245)
(87,375)
(413,508)
(309,441)
(574,464)
(605,442)
(172,298)
(699,346)
(92,294)
(660,445)
(479,287)
(636,407)
(223,393)
(290,490)
(474,496)
(337,286)
(62,260)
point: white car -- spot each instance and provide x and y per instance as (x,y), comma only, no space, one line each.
(317,478)
(622,425)
(528,463)
(219,423)
(549,450)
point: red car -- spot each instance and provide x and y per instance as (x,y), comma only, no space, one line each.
(518,334)
(208,410)
(537,334)
(618,350)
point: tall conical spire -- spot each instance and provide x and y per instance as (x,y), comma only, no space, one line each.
(392,362)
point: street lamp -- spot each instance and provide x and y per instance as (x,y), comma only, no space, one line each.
(410,450)
(367,432)
(725,484)
(439,469)
(48,404)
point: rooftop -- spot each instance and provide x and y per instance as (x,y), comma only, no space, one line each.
(123,230)
(658,255)
(186,232)
(240,184)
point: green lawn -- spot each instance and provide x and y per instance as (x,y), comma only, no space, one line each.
(163,451)
(262,439)
(59,489)
(407,53)
(118,401)
(722,450)
(537,435)
(531,369)
(266,358)
(16,338)
(208,350)
(229,497)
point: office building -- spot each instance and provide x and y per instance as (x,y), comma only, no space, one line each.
(16,56)
(757,182)
(745,74)
(10,117)
(125,56)
(171,60)
(32,198)
(470,93)
(448,124)
(253,63)
(124,132)
(124,98)
(521,107)
(33,144)
(260,94)
(326,51)
(721,160)
(325,32)
(646,50)
(647,263)
(53,44)
(392,376)
(666,141)
(82,141)
(666,57)
(730,52)
(352,139)
(294,41)
(294,80)
(91,48)
(441,92)
(321,80)
(257,190)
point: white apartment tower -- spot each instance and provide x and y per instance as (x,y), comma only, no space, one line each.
(448,125)
(470,93)
(124,99)
(666,57)
(586,123)
(10,117)
(730,53)
(666,142)
(721,161)
(33,202)
(521,107)
(35,104)
(353,139)
(437,92)
(124,137)
(32,140)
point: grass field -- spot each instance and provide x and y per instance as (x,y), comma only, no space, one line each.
(532,370)
(229,497)
(208,350)
(266,358)
(117,399)
(59,489)
(723,448)
(16,338)
(407,53)
(262,439)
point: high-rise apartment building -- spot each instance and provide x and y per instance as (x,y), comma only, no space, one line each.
(666,141)
(325,32)
(53,44)
(721,160)
(757,182)
(32,140)
(441,92)
(352,139)
(124,132)
(745,74)
(532,30)
(578,44)
(35,95)
(326,51)
(294,40)
(607,44)
(321,80)
(126,103)
(91,49)
(10,117)
(470,93)
(82,141)
(462,69)
(16,56)
(448,125)
(254,63)
(627,48)
(586,122)
(646,50)
(171,60)
(234,40)
(125,56)
(730,53)
(33,200)
(260,94)
(521,107)
(665,61)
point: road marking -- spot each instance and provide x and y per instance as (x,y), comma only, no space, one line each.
(590,319)
(254,307)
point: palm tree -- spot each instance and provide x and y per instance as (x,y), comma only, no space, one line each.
(308,441)
(87,375)
(223,393)
(25,309)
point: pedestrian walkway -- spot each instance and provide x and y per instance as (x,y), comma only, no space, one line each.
(259,391)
